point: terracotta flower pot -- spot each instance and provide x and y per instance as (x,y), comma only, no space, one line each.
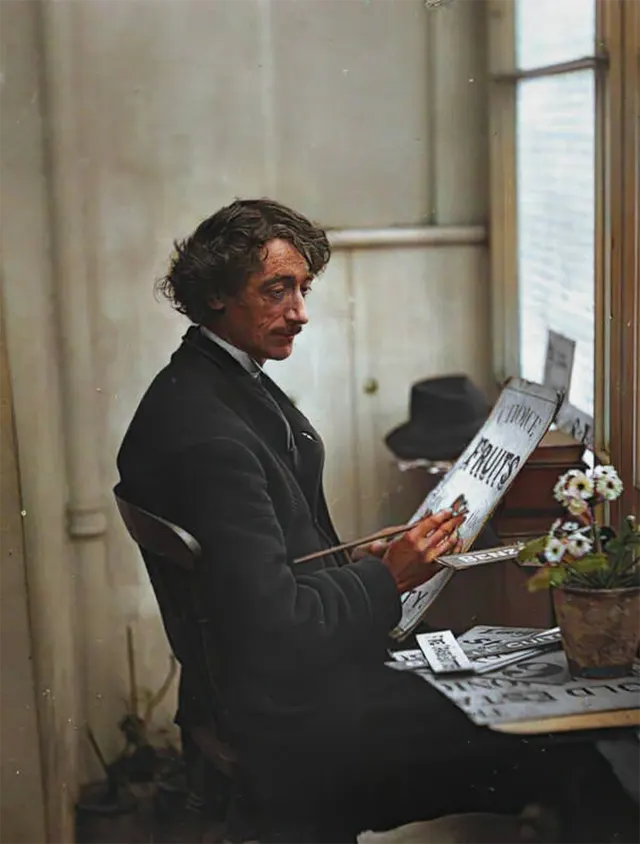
(600,629)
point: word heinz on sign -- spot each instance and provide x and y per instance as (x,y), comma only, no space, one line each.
(480,558)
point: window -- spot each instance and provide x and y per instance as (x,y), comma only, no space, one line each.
(565,205)
(550,32)
(555,187)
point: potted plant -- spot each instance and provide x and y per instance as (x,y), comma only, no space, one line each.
(594,575)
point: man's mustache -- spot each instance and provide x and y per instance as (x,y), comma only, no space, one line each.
(290,332)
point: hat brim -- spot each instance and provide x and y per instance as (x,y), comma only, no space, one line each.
(414,441)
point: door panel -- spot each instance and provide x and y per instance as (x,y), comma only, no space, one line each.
(418,313)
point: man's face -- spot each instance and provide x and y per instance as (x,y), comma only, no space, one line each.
(265,316)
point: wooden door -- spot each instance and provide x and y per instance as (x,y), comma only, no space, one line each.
(419,313)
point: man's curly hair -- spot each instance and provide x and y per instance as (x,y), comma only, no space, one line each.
(225,249)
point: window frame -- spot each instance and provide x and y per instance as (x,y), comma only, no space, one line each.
(617,289)
(621,29)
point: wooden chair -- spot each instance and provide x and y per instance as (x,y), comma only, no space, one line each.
(171,555)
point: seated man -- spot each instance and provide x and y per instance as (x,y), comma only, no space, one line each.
(324,729)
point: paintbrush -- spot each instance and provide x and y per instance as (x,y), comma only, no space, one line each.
(387,533)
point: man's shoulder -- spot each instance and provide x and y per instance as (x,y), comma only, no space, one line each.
(182,405)
(179,385)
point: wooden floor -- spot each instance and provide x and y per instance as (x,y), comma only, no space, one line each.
(615,823)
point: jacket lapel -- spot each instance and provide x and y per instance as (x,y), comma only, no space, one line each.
(308,441)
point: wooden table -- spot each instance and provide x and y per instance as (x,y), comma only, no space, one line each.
(570,723)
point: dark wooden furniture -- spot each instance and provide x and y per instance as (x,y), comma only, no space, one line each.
(529,507)
(528,510)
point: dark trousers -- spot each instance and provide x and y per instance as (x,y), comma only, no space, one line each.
(383,748)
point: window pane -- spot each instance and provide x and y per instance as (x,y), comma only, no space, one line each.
(552,31)
(556,219)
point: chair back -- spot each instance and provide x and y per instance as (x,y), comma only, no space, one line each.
(157,535)
(180,600)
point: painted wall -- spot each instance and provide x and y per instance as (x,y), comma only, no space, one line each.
(123,124)
(21,798)
(30,331)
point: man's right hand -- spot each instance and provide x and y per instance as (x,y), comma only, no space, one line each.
(410,558)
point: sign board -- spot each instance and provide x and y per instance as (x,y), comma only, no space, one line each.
(558,364)
(481,558)
(558,368)
(443,653)
(577,424)
(481,476)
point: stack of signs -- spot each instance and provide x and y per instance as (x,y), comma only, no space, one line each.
(536,686)
(478,651)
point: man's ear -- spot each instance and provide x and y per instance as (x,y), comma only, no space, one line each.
(216,304)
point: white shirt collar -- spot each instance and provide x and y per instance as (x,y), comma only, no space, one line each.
(245,360)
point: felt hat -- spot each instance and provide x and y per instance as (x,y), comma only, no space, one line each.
(445,415)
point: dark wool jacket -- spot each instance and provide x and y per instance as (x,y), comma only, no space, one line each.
(208,450)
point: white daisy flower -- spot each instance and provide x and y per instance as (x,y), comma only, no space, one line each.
(554,550)
(571,473)
(603,471)
(562,529)
(580,486)
(607,482)
(578,545)
(609,487)
(570,527)
(562,485)
(560,492)
(577,506)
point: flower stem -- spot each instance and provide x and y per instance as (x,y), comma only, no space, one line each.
(595,533)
